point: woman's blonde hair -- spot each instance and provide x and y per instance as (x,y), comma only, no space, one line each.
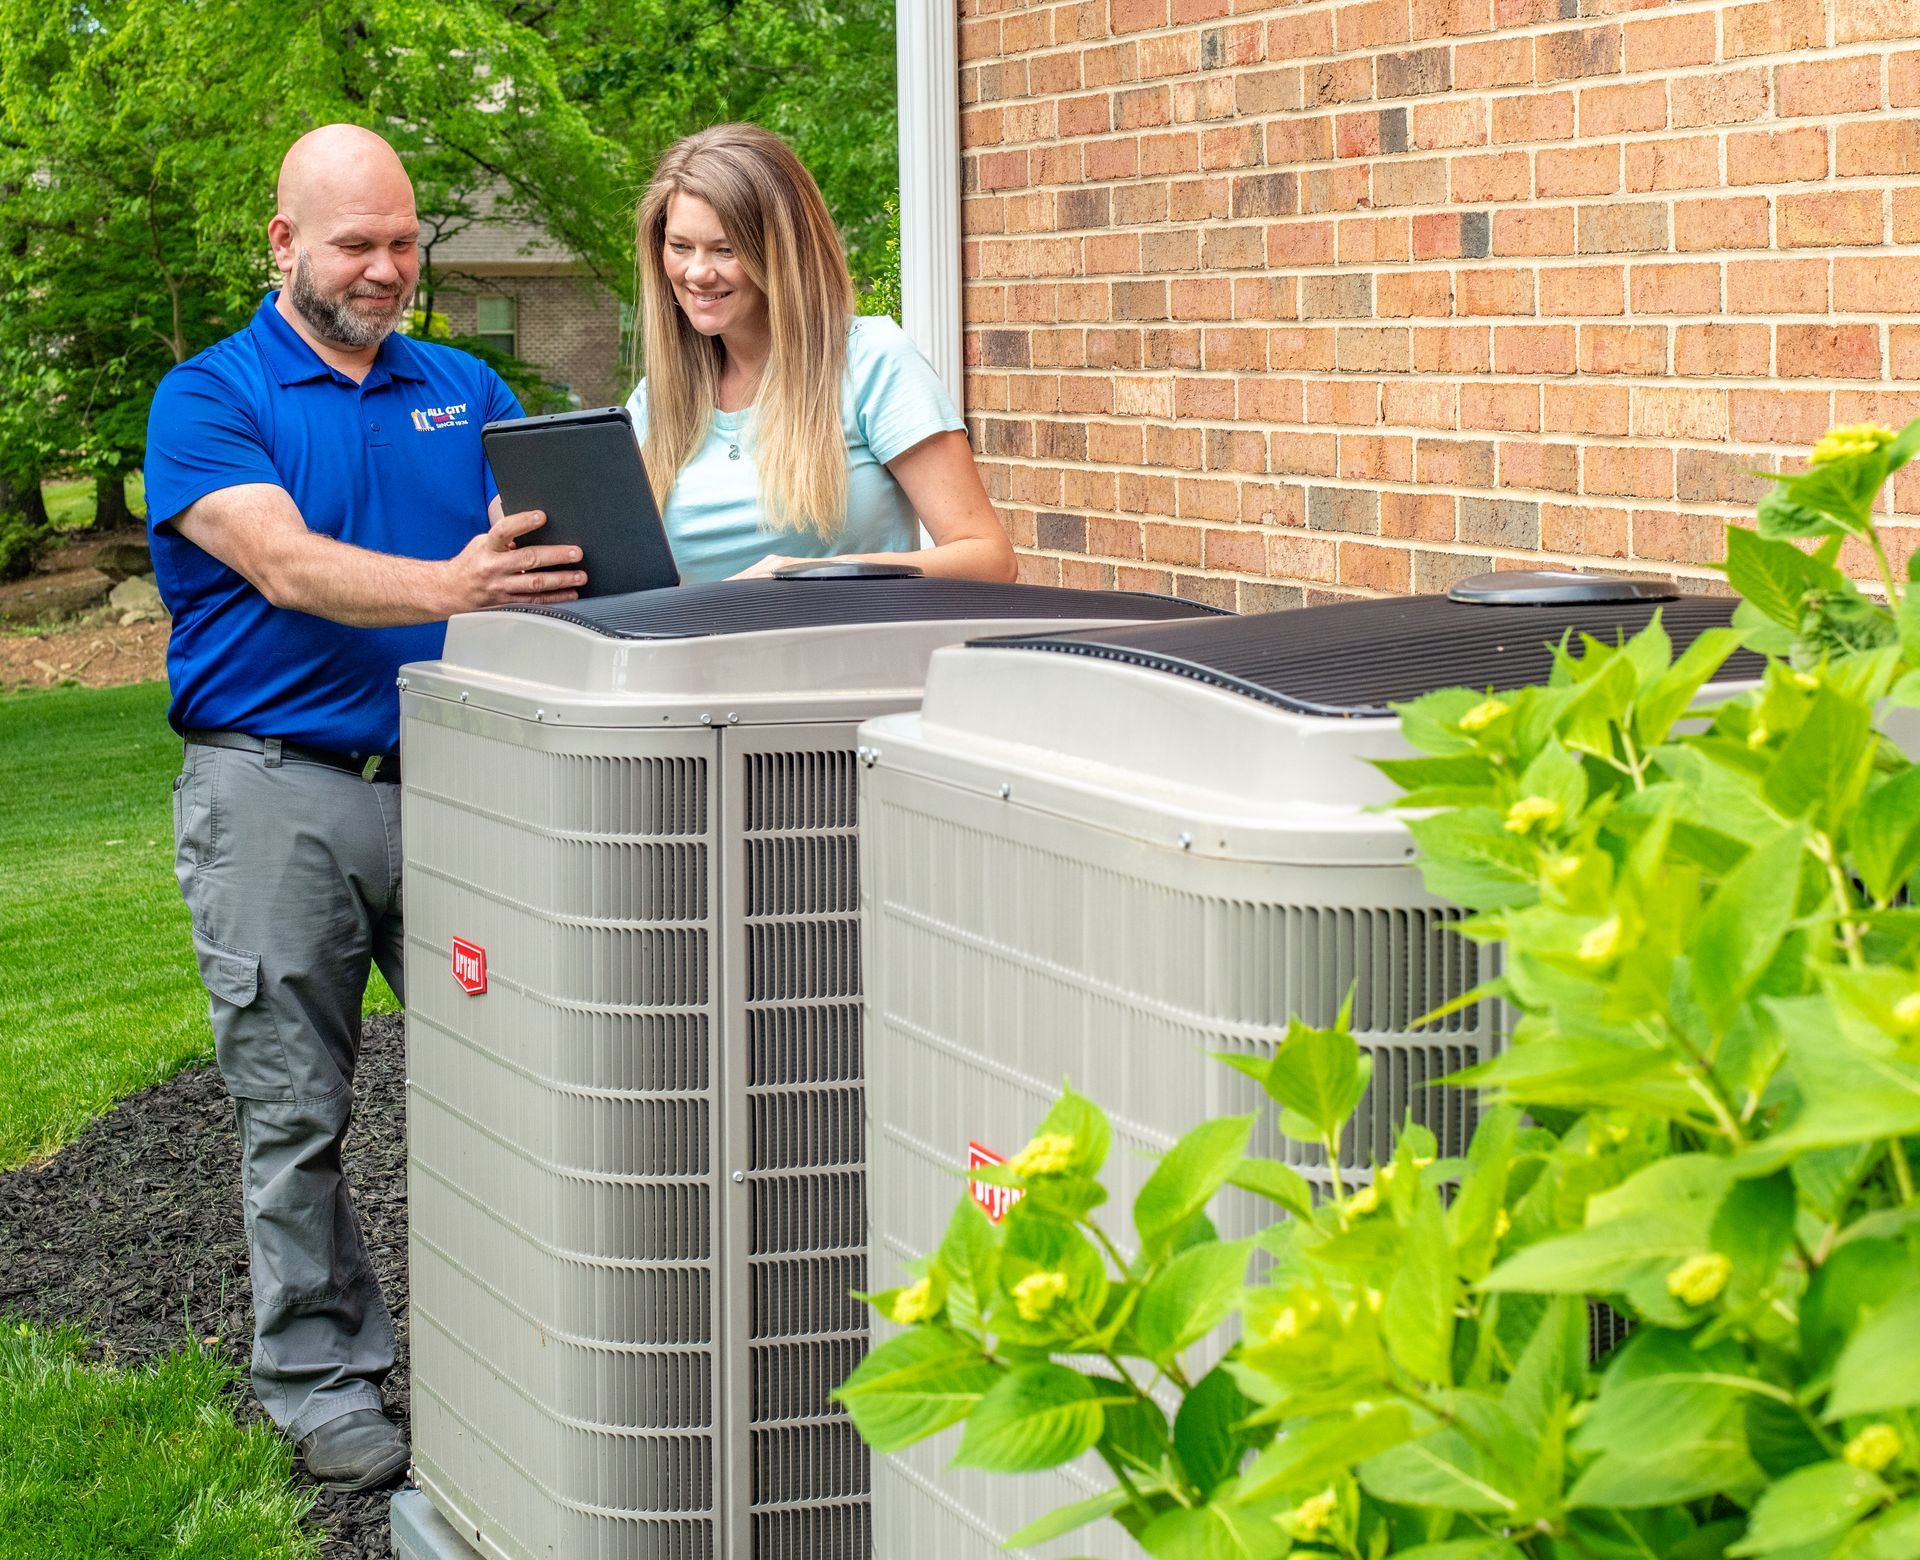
(785,241)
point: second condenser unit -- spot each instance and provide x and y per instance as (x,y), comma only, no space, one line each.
(635,1125)
(1104,856)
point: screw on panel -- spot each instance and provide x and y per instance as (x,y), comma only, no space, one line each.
(539,714)
(1186,842)
(1005,790)
(732,719)
(706,720)
(464,698)
(403,682)
(739,1175)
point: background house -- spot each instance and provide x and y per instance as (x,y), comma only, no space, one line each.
(1267,304)
(505,280)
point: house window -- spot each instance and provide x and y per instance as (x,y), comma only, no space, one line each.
(495,321)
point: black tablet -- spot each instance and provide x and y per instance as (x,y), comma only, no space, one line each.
(584,470)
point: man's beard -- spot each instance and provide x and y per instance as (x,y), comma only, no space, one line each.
(333,319)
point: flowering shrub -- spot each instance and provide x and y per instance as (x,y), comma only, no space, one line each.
(1703,1120)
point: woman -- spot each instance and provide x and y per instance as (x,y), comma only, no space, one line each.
(775,424)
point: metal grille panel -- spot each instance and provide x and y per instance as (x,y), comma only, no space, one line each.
(563,1140)
(805,1230)
(1011,951)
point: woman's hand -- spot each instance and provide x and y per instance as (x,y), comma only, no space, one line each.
(765,567)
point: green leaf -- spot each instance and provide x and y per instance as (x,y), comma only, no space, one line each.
(1673,692)
(1077,1117)
(1318,1076)
(1184,1181)
(1068,1519)
(1893,1535)
(1218,1531)
(1276,1182)
(1884,835)
(1311,1451)
(1641,1229)
(1743,924)
(1880,1367)
(1452,1471)
(1036,1416)
(1462,1549)
(969,1256)
(1552,1368)
(915,1384)
(1417,1320)
(1775,576)
(1204,1430)
(1431,722)
(1036,1243)
(1779,516)
(1188,1298)
(1825,761)
(1812,1506)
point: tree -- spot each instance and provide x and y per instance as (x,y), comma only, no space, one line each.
(139,141)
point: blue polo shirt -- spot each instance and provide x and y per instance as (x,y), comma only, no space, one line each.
(392,464)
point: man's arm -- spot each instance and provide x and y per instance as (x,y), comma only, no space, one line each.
(256,530)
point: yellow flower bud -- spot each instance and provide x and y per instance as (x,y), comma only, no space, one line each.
(1310,1518)
(1906,1012)
(1873,1448)
(1699,1280)
(914,1303)
(1286,1326)
(1562,869)
(1483,715)
(1853,439)
(1602,943)
(1037,1294)
(1049,1153)
(1365,1200)
(1532,811)
(1502,1224)
(1758,736)
(1807,681)
(1376,1302)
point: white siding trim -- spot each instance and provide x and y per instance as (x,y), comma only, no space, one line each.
(928,78)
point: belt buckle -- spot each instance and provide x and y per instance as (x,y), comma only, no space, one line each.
(372,766)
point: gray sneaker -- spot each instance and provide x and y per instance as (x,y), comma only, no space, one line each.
(357,1451)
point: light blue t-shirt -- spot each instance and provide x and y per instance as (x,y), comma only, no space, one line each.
(890,400)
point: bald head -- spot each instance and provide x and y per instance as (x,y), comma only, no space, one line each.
(341,167)
(345,237)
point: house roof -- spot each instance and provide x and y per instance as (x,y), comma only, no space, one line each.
(499,237)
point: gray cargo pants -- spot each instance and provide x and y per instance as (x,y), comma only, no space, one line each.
(292,872)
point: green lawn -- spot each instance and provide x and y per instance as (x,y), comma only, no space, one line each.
(97,1464)
(99,995)
(70,504)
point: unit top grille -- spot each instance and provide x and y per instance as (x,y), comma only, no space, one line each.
(763,605)
(1359,658)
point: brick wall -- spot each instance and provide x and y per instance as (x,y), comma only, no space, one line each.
(1272,303)
(569,329)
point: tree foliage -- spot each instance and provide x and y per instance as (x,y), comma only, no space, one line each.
(1705,1119)
(139,140)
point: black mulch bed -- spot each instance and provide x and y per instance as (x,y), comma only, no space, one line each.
(134,1232)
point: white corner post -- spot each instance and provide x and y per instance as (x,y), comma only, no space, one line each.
(928,80)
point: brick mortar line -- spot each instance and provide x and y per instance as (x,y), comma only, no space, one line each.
(1550,27)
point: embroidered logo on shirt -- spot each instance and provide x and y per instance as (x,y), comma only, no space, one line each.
(440,417)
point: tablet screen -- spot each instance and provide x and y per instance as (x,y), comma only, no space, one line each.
(584,470)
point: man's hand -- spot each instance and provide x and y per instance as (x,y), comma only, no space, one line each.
(493,569)
(256,530)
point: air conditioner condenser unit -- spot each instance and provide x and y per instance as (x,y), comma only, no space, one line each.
(1103,856)
(635,1126)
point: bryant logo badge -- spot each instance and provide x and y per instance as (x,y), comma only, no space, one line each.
(469,966)
(440,417)
(994,1201)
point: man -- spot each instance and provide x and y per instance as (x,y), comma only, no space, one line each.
(317,505)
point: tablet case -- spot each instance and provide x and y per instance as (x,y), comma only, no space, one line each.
(584,470)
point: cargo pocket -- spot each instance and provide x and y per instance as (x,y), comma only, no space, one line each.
(246,1040)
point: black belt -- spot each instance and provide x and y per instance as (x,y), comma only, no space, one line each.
(375,766)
